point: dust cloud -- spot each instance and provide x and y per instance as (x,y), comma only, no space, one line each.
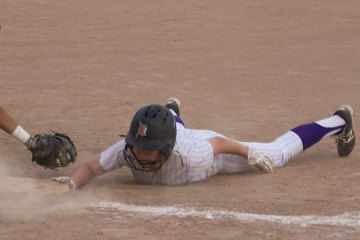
(28,198)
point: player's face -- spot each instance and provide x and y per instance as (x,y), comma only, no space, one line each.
(150,160)
(147,155)
(142,159)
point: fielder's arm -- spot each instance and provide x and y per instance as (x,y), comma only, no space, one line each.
(9,125)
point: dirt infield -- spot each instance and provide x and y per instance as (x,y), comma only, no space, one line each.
(248,69)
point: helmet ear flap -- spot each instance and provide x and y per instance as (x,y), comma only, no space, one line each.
(166,151)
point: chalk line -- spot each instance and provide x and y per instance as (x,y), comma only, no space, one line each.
(349,219)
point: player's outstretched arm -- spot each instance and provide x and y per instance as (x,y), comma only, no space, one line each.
(230,146)
(82,175)
(9,125)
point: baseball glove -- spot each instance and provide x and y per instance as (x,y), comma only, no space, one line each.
(53,150)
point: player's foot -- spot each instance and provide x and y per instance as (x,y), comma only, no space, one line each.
(345,140)
(173,103)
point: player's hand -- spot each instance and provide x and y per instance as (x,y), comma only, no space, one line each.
(65,180)
(259,160)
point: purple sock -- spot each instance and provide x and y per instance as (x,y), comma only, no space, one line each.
(312,133)
(178,120)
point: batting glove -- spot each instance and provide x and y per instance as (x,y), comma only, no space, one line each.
(65,180)
(259,160)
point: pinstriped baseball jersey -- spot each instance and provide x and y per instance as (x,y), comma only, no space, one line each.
(192,158)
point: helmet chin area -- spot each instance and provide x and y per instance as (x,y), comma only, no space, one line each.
(138,164)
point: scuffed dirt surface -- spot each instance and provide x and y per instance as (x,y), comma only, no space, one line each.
(250,70)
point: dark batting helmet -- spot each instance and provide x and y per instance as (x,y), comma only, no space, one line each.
(153,127)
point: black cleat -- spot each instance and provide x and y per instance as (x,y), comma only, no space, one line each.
(345,140)
(173,104)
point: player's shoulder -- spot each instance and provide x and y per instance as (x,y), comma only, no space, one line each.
(115,147)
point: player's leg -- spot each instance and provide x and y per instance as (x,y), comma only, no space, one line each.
(299,139)
(304,136)
(174,104)
(339,125)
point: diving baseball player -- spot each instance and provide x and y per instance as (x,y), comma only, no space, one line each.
(159,149)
